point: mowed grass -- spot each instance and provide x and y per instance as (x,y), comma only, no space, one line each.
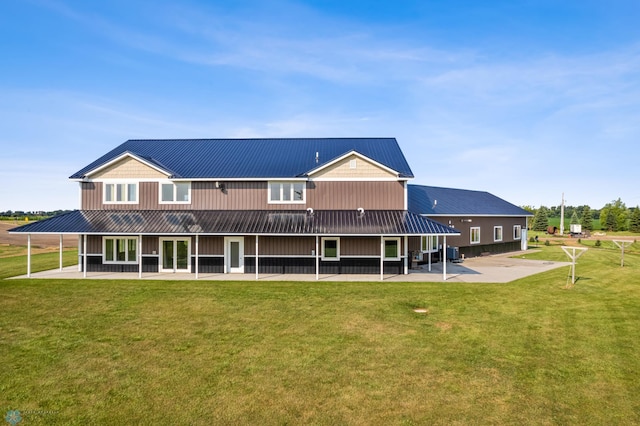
(187,352)
(13,259)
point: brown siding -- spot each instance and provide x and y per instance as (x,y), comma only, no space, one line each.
(286,246)
(486,225)
(150,244)
(208,246)
(324,195)
(350,195)
(360,246)
(94,244)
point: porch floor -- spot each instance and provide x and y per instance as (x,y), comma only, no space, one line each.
(500,268)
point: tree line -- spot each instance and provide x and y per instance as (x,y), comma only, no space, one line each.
(31,215)
(614,216)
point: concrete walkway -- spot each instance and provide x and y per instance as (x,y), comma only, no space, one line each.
(501,268)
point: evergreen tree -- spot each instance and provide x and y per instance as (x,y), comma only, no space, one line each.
(540,220)
(574,219)
(634,220)
(587,220)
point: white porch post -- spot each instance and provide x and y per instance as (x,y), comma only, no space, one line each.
(317,259)
(444,258)
(60,252)
(406,255)
(257,253)
(140,256)
(381,258)
(197,256)
(79,253)
(84,256)
(430,249)
(28,255)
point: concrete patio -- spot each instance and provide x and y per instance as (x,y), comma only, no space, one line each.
(501,268)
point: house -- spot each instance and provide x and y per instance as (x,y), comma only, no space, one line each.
(487,224)
(252,206)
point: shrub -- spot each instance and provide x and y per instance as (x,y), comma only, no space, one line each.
(598,243)
(579,240)
(547,243)
(532,240)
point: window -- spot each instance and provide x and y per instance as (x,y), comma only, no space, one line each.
(287,192)
(392,248)
(120,250)
(121,192)
(497,233)
(475,235)
(427,241)
(331,249)
(179,192)
(517,232)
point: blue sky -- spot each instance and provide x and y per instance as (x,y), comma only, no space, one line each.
(523,99)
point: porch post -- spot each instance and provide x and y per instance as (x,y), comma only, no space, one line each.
(381,258)
(257,247)
(317,260)
(140,256)
(60,252)
(28,255)
(197,255)
(406,254)
(444,258)
(84,256)
(431,248)
(79,253)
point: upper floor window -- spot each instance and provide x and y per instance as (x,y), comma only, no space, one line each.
(125,192)
(497,233)
(517,232)
(475,235)
(287,192)
(175,192)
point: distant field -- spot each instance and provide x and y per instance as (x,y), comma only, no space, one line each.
(196,352)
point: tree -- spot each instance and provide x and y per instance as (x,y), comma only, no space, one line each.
(614,216)
(587,219)
(634,220)
(574,218)
(540,220)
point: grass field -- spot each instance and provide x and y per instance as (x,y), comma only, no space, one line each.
(147,352)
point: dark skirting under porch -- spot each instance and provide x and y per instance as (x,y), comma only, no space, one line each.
(289,265)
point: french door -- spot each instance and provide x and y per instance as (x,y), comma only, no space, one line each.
(175,254)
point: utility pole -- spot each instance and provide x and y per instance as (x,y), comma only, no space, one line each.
(562,216)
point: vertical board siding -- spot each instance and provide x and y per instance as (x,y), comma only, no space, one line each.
(150,244)
(284,246)
(208,246)
(360,246)
(340,195)
(350,195)
(486,225)
(94,244)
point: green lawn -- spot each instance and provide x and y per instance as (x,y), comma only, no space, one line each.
(186,352)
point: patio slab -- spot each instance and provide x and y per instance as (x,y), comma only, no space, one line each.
(501,268)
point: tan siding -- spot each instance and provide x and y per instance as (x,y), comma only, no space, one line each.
(128,168)
(363,169)
(353,194)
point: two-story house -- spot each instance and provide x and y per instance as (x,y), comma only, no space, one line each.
(312,206)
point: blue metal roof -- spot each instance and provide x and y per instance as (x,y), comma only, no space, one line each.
(252,158)
(431,200)
(237,222)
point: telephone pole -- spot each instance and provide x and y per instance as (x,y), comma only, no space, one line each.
(562,216)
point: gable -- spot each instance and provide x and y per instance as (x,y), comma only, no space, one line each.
(353,166)
(128,168)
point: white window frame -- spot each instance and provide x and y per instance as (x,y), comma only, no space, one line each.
(471,235)
(337,240)
(424,246)
(397,240)
(501,236)
(126,184)
(517,232)
(127,260)
(281,194)
(175,192)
